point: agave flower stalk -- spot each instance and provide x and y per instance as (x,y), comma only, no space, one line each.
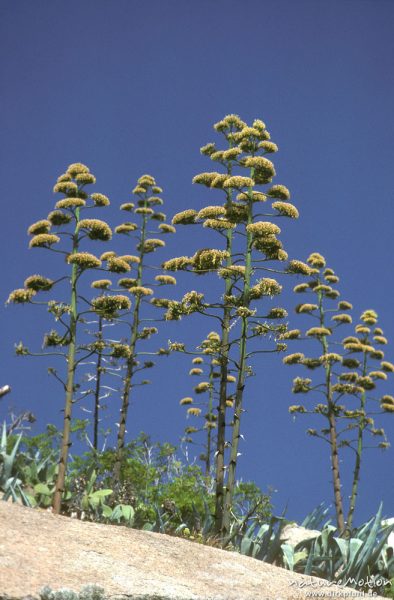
(249,236)
(335,384)
(210,348)
(97,389)
(368,339)
(148,196)
(242,365)
(67,215)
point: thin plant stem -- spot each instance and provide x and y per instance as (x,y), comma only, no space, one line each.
(238,405)
(336,479)
(129,366)
(66,441)
(99,371)
(359,449)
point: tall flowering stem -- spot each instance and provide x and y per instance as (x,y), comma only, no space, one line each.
(97,389)
(335,385)
(210,349)
(148,197)
(65,217)
(250,246)
(242,367)
(369,337)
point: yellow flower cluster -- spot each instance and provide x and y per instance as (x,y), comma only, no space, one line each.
(298,267)
(65,187)
(100,199)
(85,178)
(130,258)
(154,201)
(232,271)
(342,318)
(208,259)
(254,196)
(237,181)
(120,351)
(344,305)
(347,388)
(101,284)
(126,228)
(269,147)
(70,203)
(218,224)
(369,317)
(277,313)
(219,181)
(57,217)
(84,260)
(262,166)
(293,359)
(387,366)
(230,121)
(20,296)
(143,210)
(316,260)
(318,332)
(330,357)
(262,228)
(194,411)
(186,401)
(279,191)
(380,339)
(185,217)
(301,386)
(211,212)
(117,265)
(237,213)
(43,240)
(297,408)
(231,154)
(76,169)
(127,282)
(165,228)
(265,287)
(165,279)
(205,178)
(42,226)
(387,403)
(38,283)
(178,263)
(111,304)
(127,206)
(151,244)
(331,278)
(378,375)
(202,387)
(306,308)
(198,360)
(196,371)
(98,230)
(140,290)
(301,287)
(208,149)
(291,334)
(286,209)
(362,329)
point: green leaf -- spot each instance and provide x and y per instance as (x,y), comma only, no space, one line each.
(100,494)
(42,488)
(107,511)
(288,555)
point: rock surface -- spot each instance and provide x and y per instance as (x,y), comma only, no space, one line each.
(38,549)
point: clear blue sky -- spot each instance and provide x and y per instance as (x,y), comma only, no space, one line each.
(130,87)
